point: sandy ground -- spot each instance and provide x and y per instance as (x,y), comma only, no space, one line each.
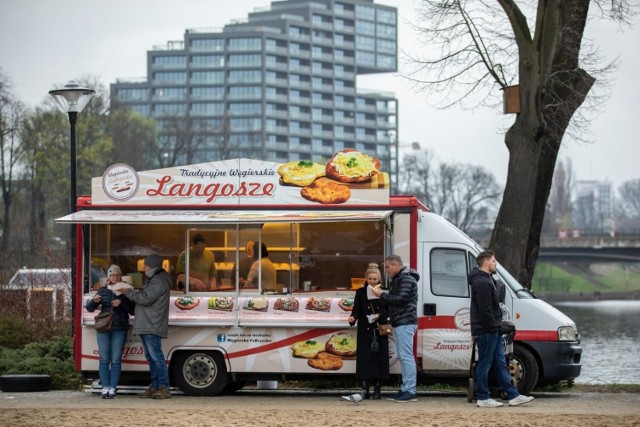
(313,408)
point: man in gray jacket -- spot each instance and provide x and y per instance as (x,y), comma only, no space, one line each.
(151,323)
(402,300)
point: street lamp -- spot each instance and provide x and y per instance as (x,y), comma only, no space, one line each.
(72,99)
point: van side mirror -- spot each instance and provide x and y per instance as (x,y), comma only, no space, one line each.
(501,288)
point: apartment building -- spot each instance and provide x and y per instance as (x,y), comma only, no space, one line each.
(279,85)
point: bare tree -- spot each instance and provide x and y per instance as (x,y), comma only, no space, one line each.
(463,194)
(482,45)
(560,205)
(630,198)
(11,115)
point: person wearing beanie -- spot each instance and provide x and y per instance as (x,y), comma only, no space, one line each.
(111,343)
(151,323)
(202,267)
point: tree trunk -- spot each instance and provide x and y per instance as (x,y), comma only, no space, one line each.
(534,141)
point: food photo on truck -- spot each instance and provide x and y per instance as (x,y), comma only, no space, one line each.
(317,228)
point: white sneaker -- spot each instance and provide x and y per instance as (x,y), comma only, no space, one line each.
(489,403)
(520,400)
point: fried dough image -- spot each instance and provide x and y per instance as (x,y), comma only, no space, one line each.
(301,173)
(350,165)
(307,349)
(326,191)
(342,345)
(326,362)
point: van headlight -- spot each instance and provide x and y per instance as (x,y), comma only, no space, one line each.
(567,333)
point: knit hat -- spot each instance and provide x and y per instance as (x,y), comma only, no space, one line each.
(153,261)
(114,269)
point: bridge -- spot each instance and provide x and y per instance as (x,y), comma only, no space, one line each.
(593,247)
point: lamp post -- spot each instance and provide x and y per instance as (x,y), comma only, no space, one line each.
(72,99)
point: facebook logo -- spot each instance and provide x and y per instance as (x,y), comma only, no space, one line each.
(222,337)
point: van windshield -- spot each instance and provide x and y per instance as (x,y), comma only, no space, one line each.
(511,281)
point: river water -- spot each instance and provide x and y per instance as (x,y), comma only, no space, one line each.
(610,332)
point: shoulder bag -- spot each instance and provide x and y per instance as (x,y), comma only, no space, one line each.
(103,320)
(384,329)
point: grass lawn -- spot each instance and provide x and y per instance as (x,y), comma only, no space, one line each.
(564,277)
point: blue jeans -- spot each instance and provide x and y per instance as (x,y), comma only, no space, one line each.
(110,345)
(491,353)
(404,348)
(152,345)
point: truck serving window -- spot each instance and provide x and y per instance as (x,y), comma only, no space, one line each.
(262,258)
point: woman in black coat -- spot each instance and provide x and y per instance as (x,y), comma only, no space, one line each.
(371,367)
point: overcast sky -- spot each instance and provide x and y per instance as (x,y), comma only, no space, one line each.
(45,43)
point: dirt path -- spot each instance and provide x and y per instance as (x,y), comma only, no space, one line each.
(319,408)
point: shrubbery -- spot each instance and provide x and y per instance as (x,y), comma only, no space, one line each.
(20,355)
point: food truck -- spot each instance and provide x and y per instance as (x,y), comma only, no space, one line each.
(321,230)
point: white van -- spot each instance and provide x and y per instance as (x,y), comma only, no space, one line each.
(221,338)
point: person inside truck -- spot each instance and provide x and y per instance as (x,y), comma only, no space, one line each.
(486,320)
(202,267)
(262,267)
(244,266)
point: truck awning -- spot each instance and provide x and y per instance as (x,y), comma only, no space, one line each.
(212,216)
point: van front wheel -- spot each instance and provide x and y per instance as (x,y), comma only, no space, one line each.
(199,373)
(523,368)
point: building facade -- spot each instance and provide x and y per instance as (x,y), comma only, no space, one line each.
(279,86)
(594,206)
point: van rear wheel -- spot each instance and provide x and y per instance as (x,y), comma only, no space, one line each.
(202,373)
(523,368)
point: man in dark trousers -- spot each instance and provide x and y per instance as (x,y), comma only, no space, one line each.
(402,300)
(486,320)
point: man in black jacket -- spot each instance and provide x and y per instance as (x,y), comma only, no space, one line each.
(486,318)
(402,300)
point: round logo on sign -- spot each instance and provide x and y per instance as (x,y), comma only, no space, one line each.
(120,182)
(462,319)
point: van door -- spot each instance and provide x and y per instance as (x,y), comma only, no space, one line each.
(444,323)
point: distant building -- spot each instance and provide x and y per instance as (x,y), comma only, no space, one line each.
(279,86)
(593,205)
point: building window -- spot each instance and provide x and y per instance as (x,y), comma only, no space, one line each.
(207,77)
(386,46)
(132,94)
(170,76)
(245,92)
(387,16)
(245,60)
(245,76)
(365,12)
(386,31)
(365,27)
(386,61)
(245,124)
(207,92)
(169,93)
(243,44)
(365,58)
(364,42)
(207,45)
(207,109)
(170,109)
(207,61)
(245,108)
(175,60)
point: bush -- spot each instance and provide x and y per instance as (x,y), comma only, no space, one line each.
(53,358)
(15,332)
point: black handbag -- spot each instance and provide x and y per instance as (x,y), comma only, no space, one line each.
(375,345)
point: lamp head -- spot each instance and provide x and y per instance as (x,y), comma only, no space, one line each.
(72,98)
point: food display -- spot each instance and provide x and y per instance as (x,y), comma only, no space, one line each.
(286,304)
(187,302)
(257,304)
(346,304)
(350,165)
(319,304)
(326,191)
(301,173)
(220,303)
(342,345)
(307,349)
(326,362)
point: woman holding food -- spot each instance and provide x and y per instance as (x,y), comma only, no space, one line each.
(371,367)
(110,343)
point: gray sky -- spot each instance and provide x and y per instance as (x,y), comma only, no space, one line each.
(45,43)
